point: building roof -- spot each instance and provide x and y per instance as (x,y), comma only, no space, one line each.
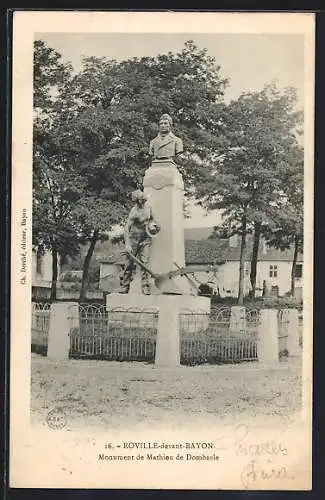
(214,250)
(197,233)
(205,251)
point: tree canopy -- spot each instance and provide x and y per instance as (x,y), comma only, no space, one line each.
(92,130)
(91,135)
(249,180)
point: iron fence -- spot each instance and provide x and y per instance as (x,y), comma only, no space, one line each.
(221,313)
(206,338)
(252,318)
(41,313)
(130,334)
(120,334)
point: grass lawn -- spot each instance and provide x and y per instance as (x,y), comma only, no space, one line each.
(133,395)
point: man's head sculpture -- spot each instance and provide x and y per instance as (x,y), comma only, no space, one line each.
(139,196)
(165,123)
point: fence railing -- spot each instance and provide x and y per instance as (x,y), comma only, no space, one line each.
(41,313)
(252,318)
(206,339)
(121,334)
(130,334)
(222,313)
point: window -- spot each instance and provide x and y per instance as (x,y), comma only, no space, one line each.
(298,273)
(273,271)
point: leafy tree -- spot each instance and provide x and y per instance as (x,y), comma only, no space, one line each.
(91,131)
(53,225)
(247,179)
(287,230)
(94,219)
(91,136)
(75,190)
(109,113)
(49,76)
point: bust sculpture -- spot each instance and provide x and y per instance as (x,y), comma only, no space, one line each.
(166,145)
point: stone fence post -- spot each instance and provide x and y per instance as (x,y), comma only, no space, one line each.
(237,319)
(167,344)
(268,346)
(292,317)
(64,316)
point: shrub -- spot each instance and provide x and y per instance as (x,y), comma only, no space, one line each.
(260,302)
(276,303)
(70,277)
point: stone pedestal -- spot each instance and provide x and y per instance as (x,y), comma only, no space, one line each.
(164,186)
(268,347)
(168,342)
(64,316)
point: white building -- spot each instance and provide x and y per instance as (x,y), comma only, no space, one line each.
(273,266)
(41,268)
(42,273)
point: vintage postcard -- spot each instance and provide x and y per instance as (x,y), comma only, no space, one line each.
(162,250)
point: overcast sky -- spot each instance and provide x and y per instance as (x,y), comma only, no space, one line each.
(249,61)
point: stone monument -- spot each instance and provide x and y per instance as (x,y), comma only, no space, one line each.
(164,187)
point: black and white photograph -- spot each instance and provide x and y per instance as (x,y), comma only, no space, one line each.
(162,250)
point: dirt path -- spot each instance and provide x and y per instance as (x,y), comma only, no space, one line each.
(114,395)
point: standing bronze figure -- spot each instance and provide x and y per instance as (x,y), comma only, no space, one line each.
(139,230)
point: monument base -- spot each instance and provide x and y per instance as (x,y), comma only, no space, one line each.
(187,304)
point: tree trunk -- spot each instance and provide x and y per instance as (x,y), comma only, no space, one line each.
(256,243)
(293,268)
(85,271)
(242,262)
(54,270)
